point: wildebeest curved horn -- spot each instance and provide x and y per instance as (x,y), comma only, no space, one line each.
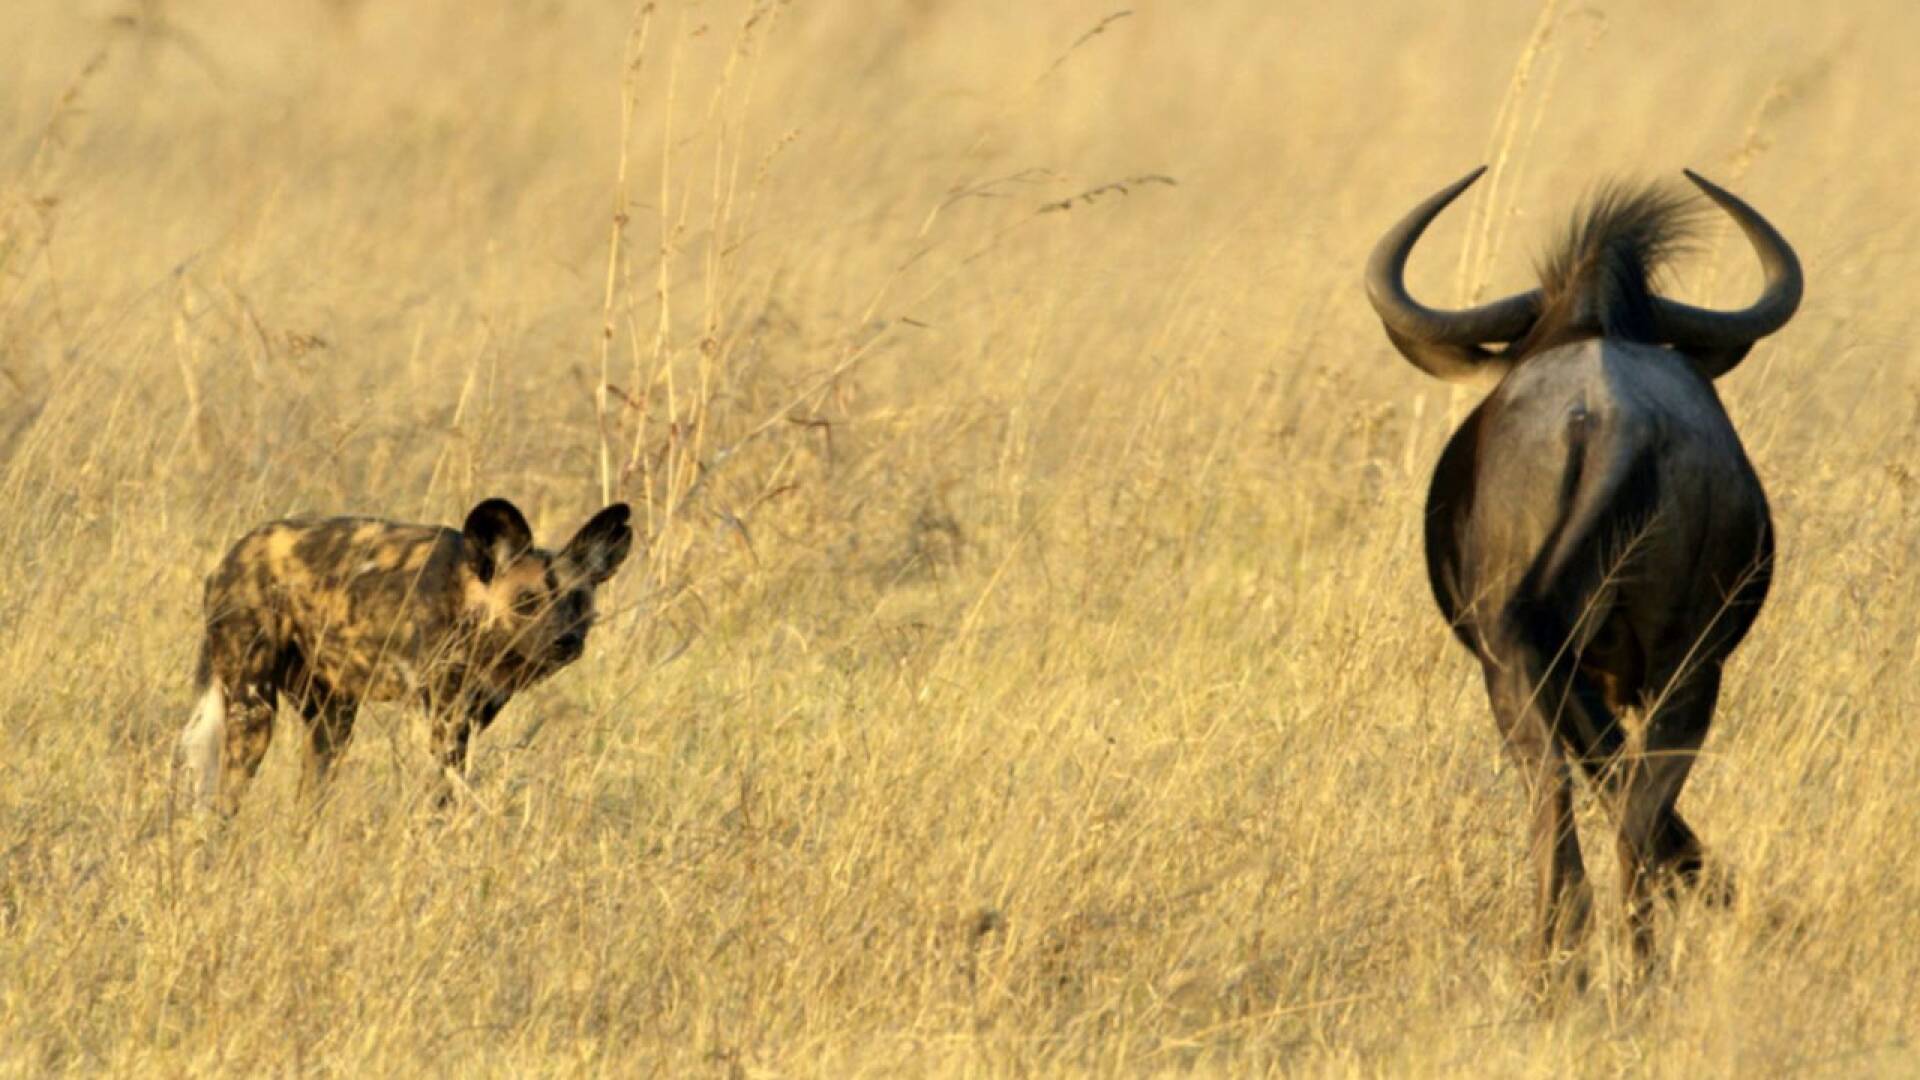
(1446,344)
(1723,337)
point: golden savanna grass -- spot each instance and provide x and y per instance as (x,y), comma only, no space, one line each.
(1032,668)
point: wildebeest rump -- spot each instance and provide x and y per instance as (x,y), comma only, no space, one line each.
(1594,531)
(333,612)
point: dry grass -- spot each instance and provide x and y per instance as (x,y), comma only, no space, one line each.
(1032,670)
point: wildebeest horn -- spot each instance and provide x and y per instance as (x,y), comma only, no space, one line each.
(1445,344)
(1720,338)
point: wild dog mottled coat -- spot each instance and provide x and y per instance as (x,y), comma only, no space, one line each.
(332,612)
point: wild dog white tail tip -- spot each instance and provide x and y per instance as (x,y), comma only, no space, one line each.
(201,742)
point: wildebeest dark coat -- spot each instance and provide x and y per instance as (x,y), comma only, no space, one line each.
(1594,531)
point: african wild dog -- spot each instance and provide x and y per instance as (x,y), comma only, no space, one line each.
(337,611)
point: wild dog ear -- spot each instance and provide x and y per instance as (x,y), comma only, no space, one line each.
(602,544)
(495,534)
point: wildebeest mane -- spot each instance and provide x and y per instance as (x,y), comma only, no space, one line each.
(1597,281)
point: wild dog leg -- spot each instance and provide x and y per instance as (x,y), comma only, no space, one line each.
(329,717)
(455,721)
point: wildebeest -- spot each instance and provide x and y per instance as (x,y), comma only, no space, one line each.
(1594,531)
(333,612)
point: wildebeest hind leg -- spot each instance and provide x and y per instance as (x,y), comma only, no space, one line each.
(1564,899)
(1657,848)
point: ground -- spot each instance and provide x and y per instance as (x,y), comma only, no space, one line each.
(1031,667)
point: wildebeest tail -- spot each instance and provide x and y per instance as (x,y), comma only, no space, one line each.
(1609,493)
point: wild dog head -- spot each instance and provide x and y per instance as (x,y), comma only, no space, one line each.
(527,610)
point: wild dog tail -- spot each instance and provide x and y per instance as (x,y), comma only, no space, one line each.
(205,735)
